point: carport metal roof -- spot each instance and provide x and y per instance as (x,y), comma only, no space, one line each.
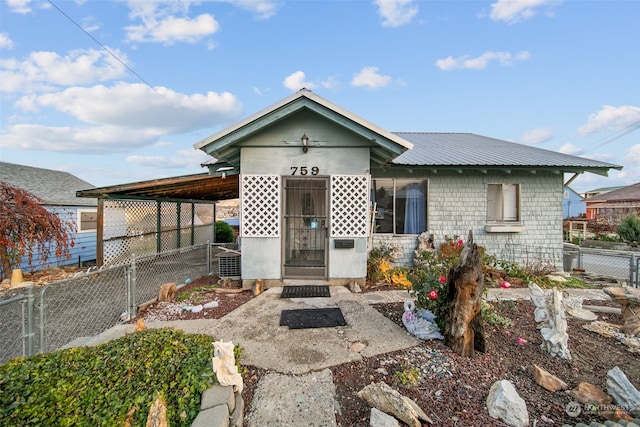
(190,188)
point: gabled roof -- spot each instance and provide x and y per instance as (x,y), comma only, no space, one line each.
(223,145)
(629,193)
(467,150)
(52,187)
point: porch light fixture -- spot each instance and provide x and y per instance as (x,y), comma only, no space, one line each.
(224,170)
(305,143)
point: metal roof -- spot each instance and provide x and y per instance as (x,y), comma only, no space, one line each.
(52,187)
(193,188)
(624,194)
(470,150)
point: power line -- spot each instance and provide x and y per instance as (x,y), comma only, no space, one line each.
(609,139)
(109,51)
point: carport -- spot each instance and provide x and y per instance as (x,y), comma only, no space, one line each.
(157,215)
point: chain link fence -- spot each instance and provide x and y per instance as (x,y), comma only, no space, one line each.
(69,312)
(621,266)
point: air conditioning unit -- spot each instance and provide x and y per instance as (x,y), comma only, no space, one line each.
(229,265)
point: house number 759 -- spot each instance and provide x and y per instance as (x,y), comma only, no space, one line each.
(304,170)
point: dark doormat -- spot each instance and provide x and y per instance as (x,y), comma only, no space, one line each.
(312,318)
(305,291)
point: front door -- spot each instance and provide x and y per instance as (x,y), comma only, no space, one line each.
(305,222)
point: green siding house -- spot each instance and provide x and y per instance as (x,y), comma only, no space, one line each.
(319,186)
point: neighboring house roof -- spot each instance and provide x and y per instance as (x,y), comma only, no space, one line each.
(224,145)
(630,193)
(468,150)
(52,187)
(601,190)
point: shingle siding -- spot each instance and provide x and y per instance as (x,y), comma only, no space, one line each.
(457,203)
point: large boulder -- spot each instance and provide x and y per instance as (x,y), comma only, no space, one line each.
(381,396)
(623,392)
(504,403)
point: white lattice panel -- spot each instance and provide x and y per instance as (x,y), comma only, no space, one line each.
(261,205)
(349,206)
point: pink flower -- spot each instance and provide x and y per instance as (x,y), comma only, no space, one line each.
(521,341)
(505,284)
(442,279)
(433,294)
(460,242)
(507,332)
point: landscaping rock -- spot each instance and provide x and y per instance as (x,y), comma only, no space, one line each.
(505,403)
(550,313)
(386,399)
(590,394)
(548,381)
(158,413)
(380,419)
(623,392)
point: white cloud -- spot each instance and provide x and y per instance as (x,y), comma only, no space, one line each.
(481,62)
(611,118)
(5,41)
(183,159)
(514,11)
(169,30)
(119,118)
(41,70)
(89,24)
(98,139)
(138,106)
(262,9)
(536,136)
(571,149)
(19,6)
(297,81)
(396,13)
(633,156)
(369,76)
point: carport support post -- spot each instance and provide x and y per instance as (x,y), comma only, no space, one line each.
(178,225)
(131,285)
(209,270)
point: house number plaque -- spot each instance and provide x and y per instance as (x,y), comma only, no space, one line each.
(304,170)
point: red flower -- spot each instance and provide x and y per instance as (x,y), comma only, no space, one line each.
(442,279)
(460,243)
(433,294)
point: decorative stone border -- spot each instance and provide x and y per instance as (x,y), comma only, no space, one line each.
(220,407)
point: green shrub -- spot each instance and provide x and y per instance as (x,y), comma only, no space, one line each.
(629,228)
(224,232)
(110,383)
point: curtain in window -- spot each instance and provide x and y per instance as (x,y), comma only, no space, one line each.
(414,213)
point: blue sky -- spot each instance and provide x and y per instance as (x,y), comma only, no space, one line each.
(119,91)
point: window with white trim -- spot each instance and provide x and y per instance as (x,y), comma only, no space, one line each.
(503,203)
(401,205)
(87,220)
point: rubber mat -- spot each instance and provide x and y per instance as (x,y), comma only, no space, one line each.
(312,318)
(305,291)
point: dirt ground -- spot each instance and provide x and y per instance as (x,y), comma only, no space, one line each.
(452,389)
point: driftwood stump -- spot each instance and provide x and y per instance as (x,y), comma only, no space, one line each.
(464,328)
(629,299)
